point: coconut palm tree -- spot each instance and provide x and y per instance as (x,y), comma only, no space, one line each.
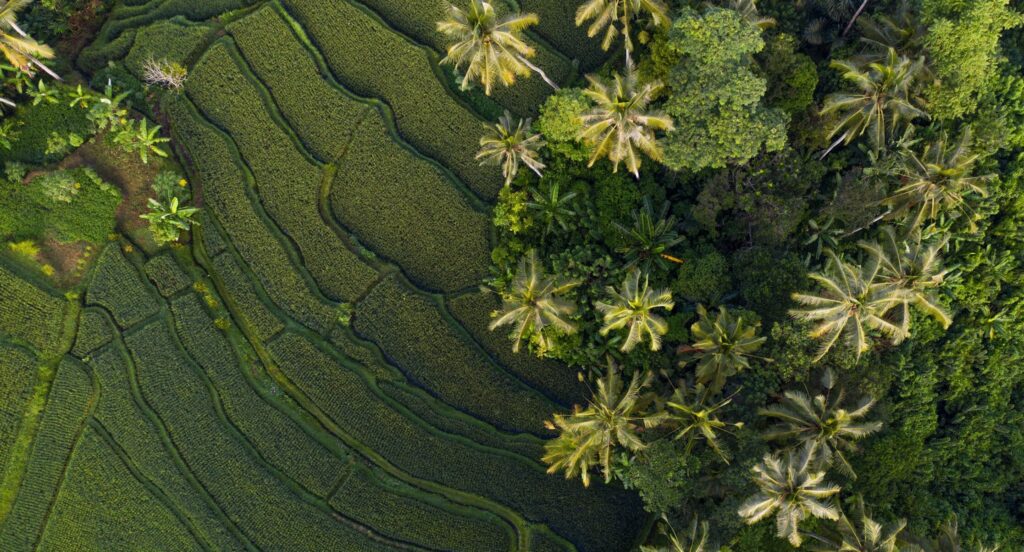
(552,207)
(650,237)
(633,307)
(883,103)
(937,180)
(792,490)
(606,13)
(510,145)
(853,300)
(490,47)
(20,49)
(748,11)
(589,436)
(690,417)
(914,270)
(870,536)
(694,540)
(822,422)
(947,541)
(532,303)
(722,346)
(619,124)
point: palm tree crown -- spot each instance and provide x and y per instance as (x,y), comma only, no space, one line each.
(882,104)
(722,346)
(650,237)
(510,145)
(870,537)
(552,207)
(913,270)
(853,300)
(606,13)
(792,490)
(619,125)
(822,422)
(690,417)
(937,181)
(589,436)
(633,306)
(20,49)
(490,47)
(694,540)
(532,303)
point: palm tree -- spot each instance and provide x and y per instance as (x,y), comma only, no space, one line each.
(822,422)
(490,47)
(606,13)
(853,300)
(748,11)
(633,307)
(912,269)
(650,238)
(792,490)
(619,124)
(937,180)
(532,303)
(589,436)
(20,49)
(947,541)
(691,418)
(722,346)
(694,540)
(883,103)
(552,206)
(510,146)
(871,536)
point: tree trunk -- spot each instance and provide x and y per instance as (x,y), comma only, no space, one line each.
(539,71)
(855,16)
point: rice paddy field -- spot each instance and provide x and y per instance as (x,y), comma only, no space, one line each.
(312,371)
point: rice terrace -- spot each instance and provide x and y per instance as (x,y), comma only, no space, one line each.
(512,275)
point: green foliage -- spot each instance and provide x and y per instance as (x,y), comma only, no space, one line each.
(792,76)
(36,123)
(559,123)
(714,96)
(75,205)
(703,277)
(117,287)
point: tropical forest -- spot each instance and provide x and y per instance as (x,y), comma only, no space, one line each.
(512,275)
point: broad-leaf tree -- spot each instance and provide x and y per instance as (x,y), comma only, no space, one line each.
(633,307)
(616,17)
(589,436)
(491,48)
(533,302)
(16,45)
(791,489)
(822,422)
(859,534)
(882,104)
(722,346)
(936,181)
(853,300)
(511,145)
(620,125)
(650,238)
(914,270)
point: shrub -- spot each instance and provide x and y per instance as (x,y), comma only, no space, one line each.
(37,123)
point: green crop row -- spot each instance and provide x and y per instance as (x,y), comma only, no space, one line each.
(117,287)
(94,331)
(96,56)
(215,166)
(165,273)
(286,180)
(412,331)
(558,27)
(271,513)
(402,512)
(66,411)
(275,436)
(213,242)
(140,434)
(323,116)
(374,62)
(418,19)
(102,506)
(28,313)
(17,376)
(406,210)
(555,380)
(134,17)
(598,518)
(425,409)
(258,316)
(541,541)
